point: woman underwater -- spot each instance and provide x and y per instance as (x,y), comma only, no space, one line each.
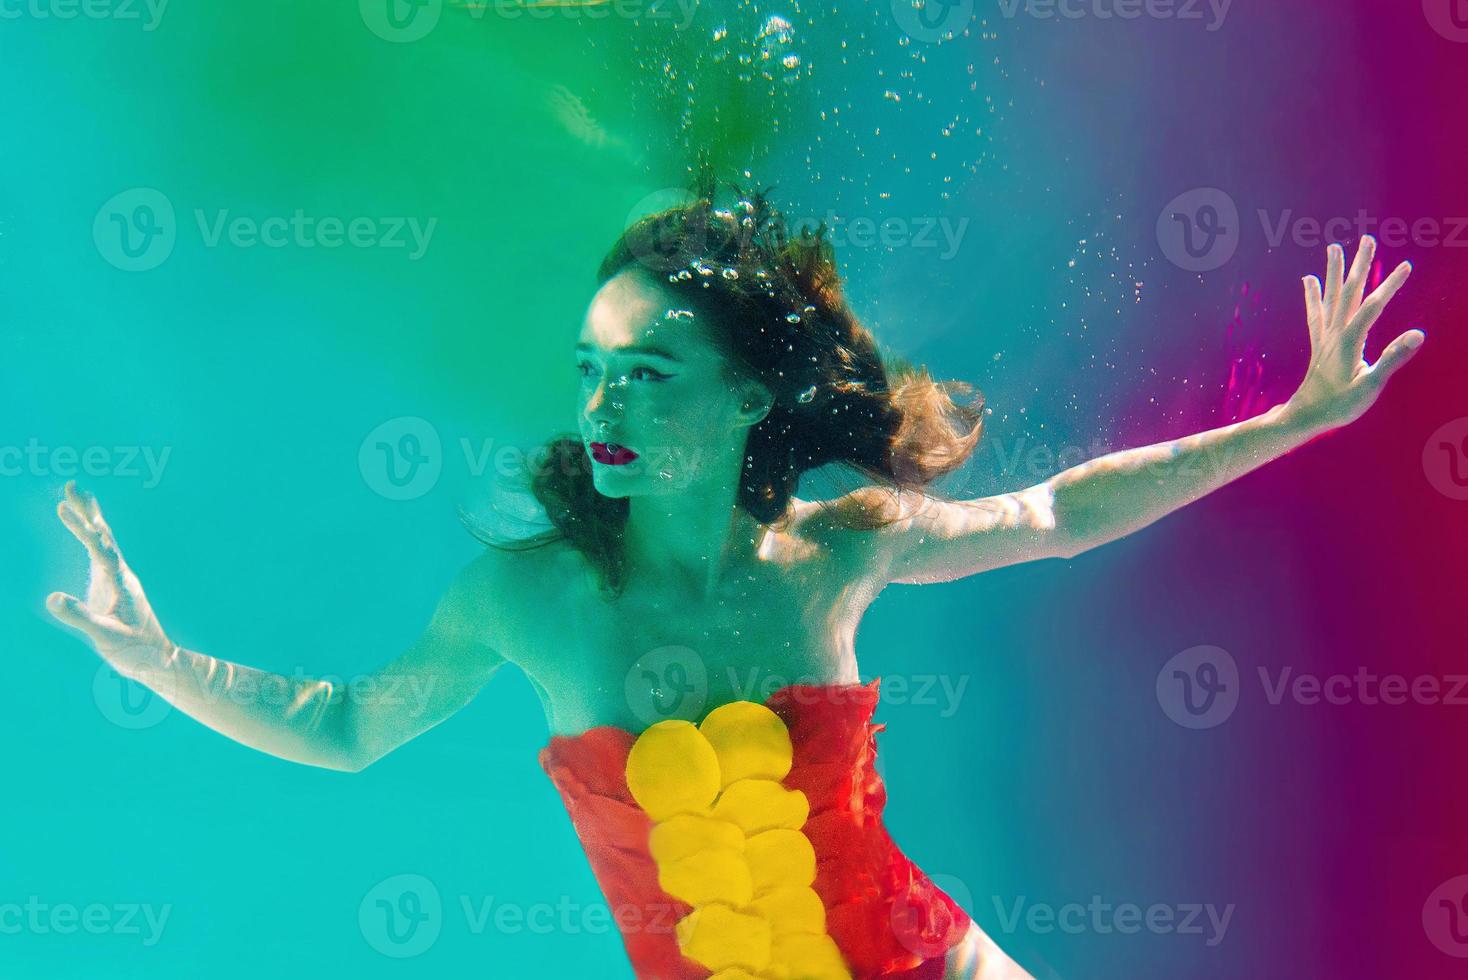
(720,361)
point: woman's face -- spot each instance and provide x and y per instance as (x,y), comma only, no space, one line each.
(657,413)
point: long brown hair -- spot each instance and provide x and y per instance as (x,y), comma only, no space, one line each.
(776,308)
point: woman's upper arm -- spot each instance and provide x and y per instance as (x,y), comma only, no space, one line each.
(440,673)
(925,540)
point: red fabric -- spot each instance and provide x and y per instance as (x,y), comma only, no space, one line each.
(889,920)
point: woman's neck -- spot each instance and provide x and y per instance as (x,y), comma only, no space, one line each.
(692,542)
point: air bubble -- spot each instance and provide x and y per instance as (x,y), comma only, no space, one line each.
(807,396)
(792,317)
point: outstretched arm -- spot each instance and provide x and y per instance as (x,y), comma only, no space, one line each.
(313,721)
(1113,495)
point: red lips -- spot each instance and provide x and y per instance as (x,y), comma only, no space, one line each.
(611,453)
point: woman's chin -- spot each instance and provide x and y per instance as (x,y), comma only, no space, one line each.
(618,481)
(631,480)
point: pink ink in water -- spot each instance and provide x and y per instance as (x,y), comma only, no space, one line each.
(1243,395)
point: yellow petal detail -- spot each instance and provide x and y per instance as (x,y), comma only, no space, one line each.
(688,833)
(751,741)
(719,938)
(780,857)
(726,838)
(758,805)
(672,769)
(708,876)
(791,909)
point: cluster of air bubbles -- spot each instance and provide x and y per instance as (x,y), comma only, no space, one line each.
(701,269)
(771,51)
(678,315)
(731,273)
(775,45)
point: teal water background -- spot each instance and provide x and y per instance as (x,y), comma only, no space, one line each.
(252,374)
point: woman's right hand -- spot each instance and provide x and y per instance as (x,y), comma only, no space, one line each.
(116,617)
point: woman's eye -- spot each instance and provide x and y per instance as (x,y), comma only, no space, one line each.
(638,373)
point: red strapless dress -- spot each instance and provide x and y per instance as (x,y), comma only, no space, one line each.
(887,919)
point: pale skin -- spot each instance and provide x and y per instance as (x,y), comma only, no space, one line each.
(760,607)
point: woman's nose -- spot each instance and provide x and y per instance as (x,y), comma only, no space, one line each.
(605,403)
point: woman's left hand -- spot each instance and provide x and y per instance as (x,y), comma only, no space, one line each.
(1339,385)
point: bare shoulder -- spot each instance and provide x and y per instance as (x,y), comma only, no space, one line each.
(853,516)
(854,530)
(503,587)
